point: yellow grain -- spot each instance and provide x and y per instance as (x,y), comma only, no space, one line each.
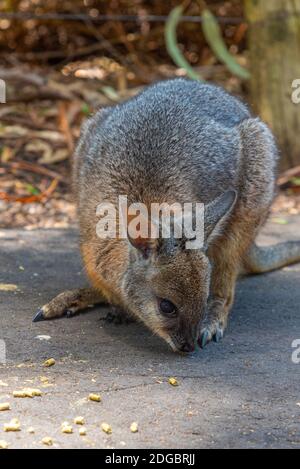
(49,362)
(106,428)
(4,406)
(95,397)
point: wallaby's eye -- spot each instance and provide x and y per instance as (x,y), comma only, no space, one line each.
(167,308)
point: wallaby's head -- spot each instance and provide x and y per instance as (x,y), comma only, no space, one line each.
(167,285)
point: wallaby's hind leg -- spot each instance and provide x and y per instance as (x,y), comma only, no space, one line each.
(69,303)
(265,259)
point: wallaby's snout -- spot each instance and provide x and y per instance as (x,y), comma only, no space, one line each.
(187,347)
(185,338)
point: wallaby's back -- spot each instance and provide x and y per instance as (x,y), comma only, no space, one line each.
(177,138)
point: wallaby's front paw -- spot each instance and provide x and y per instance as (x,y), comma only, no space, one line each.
(215,322)
(68,304)
(62,305)
(49,312)
(211,331)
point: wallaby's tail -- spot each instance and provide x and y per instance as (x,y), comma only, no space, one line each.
(264,259)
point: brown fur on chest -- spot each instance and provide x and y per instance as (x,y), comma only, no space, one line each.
(105,268)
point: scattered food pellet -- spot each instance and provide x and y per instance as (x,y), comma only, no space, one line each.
(82,431)
(47,441)
(4,406)
(95,397)
(66,428)
(44,379)
(134,427)
(49,362)
(43,337)
(13,426)
(8,287)
(173,381)
(3,444)
(79,420)
(34,392)
(30,430)
(106,428)
(27,392)
(25,365)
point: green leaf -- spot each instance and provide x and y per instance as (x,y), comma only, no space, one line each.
(295,181)
(213,35)
(85,109)
(32,190)
(110,93)
(172,46)
(280,221)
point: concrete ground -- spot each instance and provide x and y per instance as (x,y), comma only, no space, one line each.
(242,392)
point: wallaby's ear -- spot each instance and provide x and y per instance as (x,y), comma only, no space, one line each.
(139,233)
(215,214)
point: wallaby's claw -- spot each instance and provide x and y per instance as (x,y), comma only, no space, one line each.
(204,338)
(218,336)
(68,304)
(70,313)
(213,332)
(54,311)
(39,316)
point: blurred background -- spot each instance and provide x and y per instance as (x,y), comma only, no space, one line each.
(62,60)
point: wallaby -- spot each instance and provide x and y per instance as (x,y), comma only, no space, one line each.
(177,141)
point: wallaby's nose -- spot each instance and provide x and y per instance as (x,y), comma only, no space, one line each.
(186,347)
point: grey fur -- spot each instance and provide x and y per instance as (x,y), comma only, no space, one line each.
(177,141)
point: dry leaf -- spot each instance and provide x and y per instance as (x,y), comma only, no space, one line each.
(55,157)
(41,148)
(6,154)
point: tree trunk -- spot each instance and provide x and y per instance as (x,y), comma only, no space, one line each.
(274,44)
